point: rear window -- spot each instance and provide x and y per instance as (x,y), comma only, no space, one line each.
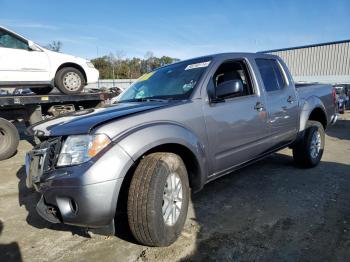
(271,74)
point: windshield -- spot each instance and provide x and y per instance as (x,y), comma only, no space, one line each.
(175,81)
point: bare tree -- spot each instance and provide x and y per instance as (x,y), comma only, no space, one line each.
(149,59)
(149,55)
(120,54)
(55,46)
(112,61)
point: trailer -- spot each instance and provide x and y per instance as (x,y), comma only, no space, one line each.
(34,108)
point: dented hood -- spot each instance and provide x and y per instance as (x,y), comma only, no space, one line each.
(82,122)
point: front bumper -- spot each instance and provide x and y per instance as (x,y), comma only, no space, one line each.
(83,195)
(92,75)
(87,206)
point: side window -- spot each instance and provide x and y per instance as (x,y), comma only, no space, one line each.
(271,74)
(9,41)
(233,70)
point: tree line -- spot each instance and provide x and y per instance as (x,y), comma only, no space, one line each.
(117,67)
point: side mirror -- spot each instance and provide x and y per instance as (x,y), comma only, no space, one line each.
(33,47)
(231,87)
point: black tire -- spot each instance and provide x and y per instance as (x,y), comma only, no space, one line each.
(41,90)
(145,199)
(9,139)
(302,150)
(60,79)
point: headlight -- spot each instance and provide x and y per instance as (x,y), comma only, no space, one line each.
(89,64)
(78,149)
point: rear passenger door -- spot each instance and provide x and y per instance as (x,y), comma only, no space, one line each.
(281,101)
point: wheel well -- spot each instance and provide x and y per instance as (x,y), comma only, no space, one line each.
(318,115)
(190,161)
(187,156)
(76,66)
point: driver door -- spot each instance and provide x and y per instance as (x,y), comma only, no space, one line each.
(237,128)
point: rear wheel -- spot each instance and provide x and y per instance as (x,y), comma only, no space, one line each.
(70,80)
(41,90)
(309,150)
(158,199)
(9,139)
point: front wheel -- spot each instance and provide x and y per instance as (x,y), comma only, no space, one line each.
(70,80)
(309,150)
(158,199)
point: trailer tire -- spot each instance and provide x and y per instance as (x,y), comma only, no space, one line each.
(9,139)
(70,80)
(308,151)
(41,90)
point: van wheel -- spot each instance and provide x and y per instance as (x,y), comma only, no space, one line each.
(308,152)
(69,80)
(9,139)
(158,199)
(41,90)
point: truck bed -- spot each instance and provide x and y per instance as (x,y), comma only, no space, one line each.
(315,91)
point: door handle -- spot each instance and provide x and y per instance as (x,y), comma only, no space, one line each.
(259,106)
(290,99)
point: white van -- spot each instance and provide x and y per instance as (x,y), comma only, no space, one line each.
(26,64)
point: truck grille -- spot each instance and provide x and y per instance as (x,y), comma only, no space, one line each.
(51,149)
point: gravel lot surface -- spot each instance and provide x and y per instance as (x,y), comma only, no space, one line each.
(270,211)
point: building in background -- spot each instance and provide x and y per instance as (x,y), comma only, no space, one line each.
(323,63)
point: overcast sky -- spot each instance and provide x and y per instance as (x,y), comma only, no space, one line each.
(178,28)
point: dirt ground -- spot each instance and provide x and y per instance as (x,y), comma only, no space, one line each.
(271,211)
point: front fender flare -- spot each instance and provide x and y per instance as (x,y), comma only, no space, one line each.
(141,139)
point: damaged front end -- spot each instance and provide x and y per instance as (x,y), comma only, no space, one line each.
(77,190)
(38,164)
(41,160)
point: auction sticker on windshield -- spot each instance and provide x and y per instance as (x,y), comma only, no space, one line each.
(145,77)
(198,65)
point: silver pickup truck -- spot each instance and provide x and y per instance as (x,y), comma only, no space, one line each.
(172,131)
